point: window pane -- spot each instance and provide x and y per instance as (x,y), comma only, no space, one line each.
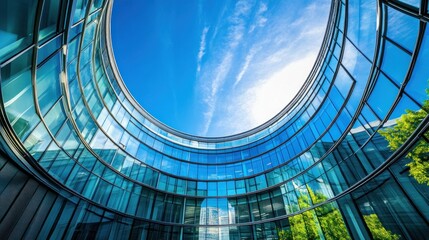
(48,83)
(402,28)
(395,62)
(420,78)
(80,9)
(18,95)
(17,19)
(50,16)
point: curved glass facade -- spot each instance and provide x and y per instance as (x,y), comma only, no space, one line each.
(346,159)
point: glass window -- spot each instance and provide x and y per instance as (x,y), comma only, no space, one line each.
(257,165)
(202,172)
(158,209)
(50,18)
(47,49)
(18,95)
(89,36)
(48,83)
(388,211)
(404,105)
(265,206)
(191,188)
(38,141)
(77,178)
(223,210)
(17,18)
(72,52)
(61,166)
(419,81)
(254,208)
(395,62)
(278,204)
(221,188)
(192,171)
(356,64)
(189,211)
(382,96)
(414,3)
(212,189)
(362,24)
(87,159)
(181,186)
(402,28)
(79,11)
(202,188)
(231,188)
(96,4)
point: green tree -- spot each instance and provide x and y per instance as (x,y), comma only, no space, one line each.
(305,225)
(398,134)
(284,234)
(333,225)
(378,231)
(330,218)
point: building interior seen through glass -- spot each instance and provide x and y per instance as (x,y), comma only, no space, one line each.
(347,158)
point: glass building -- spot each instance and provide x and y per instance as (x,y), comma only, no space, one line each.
(346,159)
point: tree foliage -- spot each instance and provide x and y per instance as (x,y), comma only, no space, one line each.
(398,134)
(307,225)
(330,218)
(283,234)
(378,231)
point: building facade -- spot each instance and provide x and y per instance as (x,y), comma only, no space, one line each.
(346,159)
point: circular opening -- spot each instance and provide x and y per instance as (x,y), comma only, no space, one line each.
(216,68)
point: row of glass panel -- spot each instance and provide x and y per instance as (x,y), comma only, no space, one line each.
(18,18)
(130,144)
(391,205)
(134,128)
(50,11)
(133,199)
(142,121)
(175,168)
(70,135)
(66,138)
(202,185)
(405,202)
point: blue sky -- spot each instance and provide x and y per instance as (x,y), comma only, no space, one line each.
(216,68)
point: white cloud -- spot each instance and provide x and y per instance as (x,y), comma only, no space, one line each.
(260,19)
(262,8)
(245,66)
(213,81)
(266,97)
(265,68)
(269,96)
(202,50)
(212,89)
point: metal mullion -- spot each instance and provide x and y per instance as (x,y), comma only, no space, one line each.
(39,15)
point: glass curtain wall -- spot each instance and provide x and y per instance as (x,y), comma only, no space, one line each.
(346,159)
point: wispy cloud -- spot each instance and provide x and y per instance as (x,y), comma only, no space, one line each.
(214,81)
(202,50)
(258,63)
(212,90)
(245,66)
(269,79)
(265,97)
(260,19)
